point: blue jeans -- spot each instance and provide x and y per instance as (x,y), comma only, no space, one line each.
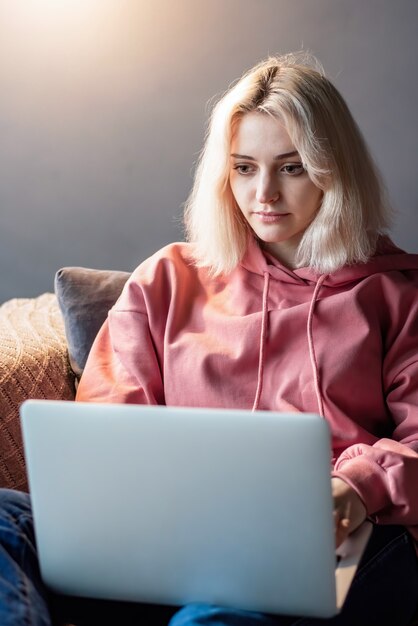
(384,591)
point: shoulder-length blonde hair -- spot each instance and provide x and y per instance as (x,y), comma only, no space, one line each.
(353,211)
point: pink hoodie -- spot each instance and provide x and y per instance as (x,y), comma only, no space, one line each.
(266,337)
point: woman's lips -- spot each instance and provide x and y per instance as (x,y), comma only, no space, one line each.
(268,217)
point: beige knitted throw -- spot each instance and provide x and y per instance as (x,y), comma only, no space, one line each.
(33,364)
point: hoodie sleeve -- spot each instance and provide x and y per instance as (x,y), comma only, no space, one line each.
(123,365)
(385,474)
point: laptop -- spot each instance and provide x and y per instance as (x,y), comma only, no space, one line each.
(178,505)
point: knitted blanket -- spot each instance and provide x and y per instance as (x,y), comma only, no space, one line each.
(33,364)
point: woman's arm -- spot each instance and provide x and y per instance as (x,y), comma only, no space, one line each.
(122,366)
(385,474)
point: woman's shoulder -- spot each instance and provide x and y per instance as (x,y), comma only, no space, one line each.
(165,271)
(158,277)
(170,261)
(391,266)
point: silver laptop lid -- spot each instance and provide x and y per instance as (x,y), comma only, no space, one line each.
(179,505)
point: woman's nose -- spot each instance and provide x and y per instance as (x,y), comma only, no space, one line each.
(267,190)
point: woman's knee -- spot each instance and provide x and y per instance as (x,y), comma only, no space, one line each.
(14,503)
(15,515)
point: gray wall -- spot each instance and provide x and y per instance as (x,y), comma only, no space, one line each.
(103,105)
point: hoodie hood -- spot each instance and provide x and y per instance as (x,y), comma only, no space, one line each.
(388,257)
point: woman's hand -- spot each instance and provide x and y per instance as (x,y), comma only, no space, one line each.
(349,510)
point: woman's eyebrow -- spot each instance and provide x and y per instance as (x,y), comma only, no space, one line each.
(284,155)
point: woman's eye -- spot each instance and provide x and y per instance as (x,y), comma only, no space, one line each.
(293,169)
(243,169)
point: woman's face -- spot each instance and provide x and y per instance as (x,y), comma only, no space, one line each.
(270,185)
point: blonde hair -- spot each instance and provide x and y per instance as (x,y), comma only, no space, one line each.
(353,212)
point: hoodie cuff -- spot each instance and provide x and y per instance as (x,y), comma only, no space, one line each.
(367,478)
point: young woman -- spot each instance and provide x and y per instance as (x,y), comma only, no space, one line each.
(288,295)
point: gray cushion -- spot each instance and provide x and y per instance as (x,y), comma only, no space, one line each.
(85,297)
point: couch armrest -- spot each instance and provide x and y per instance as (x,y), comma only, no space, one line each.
(33,364)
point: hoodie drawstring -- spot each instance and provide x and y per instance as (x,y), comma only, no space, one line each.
(312,355)
(263,335)
(314,362)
